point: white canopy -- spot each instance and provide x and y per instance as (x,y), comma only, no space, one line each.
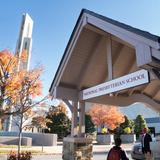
(100,50)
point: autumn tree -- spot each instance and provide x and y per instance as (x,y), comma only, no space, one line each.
(40,122)
(29,86)
(19,88)
(9,76)
(61,108)
(106,115)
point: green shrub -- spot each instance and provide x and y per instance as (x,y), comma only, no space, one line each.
(89,125)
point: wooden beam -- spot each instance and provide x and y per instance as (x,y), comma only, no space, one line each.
(65,93)
(155,53)
(85,68)
(115,57)
(126,101)
(153,75)
(109,57)
(95,29)
(68,104)
(120,32)
(143,54)
(68,52)
(152,88)
(131,68)
(157,93)
(122,42)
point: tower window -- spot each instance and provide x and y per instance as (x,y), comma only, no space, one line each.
(25,45)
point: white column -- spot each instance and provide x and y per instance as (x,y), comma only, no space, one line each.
(109,57)
(74,119)
(81,118)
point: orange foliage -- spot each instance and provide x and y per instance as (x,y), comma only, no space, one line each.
(18,84)
(9,62)
(29,114)
(40,121)
(106,115)
(61,108)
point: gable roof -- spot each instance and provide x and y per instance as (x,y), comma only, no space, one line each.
(139,32)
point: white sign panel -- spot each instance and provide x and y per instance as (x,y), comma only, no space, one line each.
(131,80)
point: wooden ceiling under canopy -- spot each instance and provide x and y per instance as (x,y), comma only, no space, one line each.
(101,49)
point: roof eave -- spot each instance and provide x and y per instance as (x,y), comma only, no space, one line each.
(60,67)
(85,15)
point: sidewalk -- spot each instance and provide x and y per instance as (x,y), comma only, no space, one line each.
(57,150)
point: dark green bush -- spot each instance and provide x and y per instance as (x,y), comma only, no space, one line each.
(89,126)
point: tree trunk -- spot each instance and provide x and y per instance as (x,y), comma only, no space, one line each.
(20,137)
(42,138)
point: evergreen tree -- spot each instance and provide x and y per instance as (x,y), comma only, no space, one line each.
(60,124)
(127,123)
(140,123)
(89,126)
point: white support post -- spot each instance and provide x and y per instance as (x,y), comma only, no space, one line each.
(74,119)
(109,57)
(81,118)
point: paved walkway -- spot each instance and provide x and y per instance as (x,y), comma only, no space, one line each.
(96,148)
(58,149)
(55,152)
(97,156)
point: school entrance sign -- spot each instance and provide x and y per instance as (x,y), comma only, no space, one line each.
(131,80)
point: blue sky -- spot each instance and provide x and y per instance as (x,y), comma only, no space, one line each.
(54,21)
